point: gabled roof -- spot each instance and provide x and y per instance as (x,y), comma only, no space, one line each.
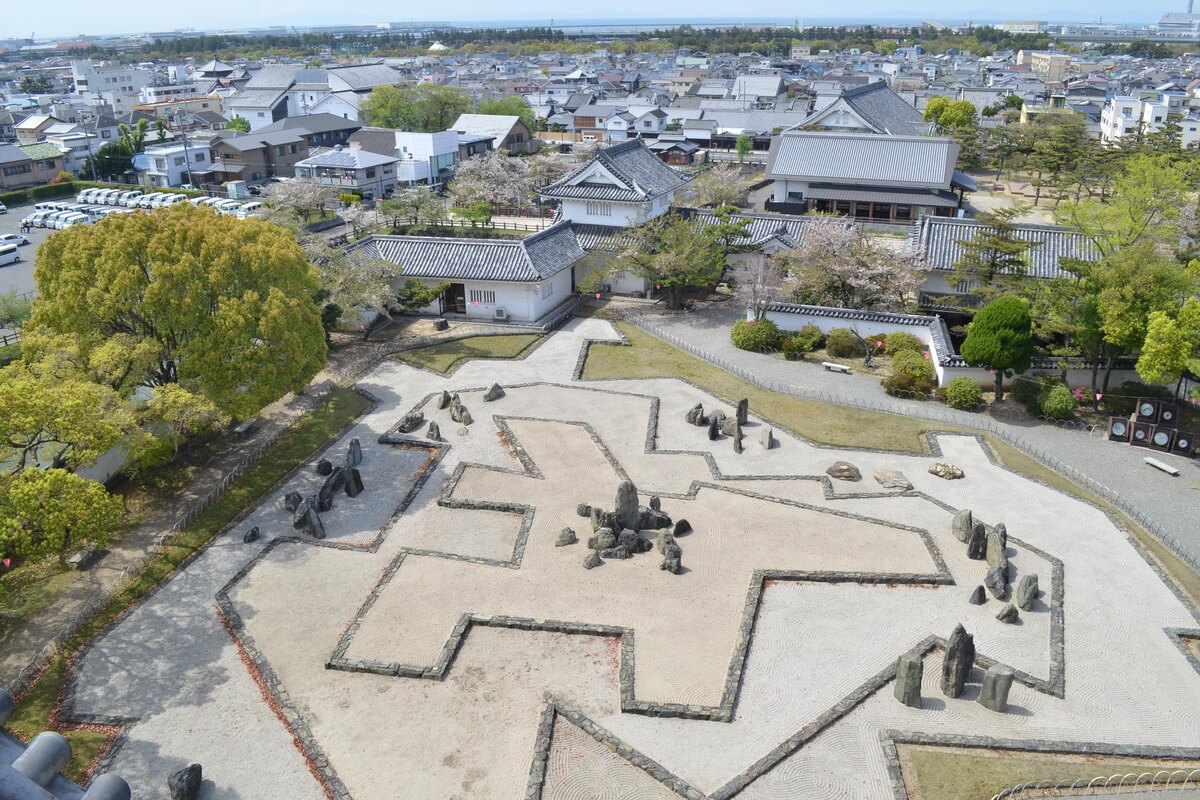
(256,98)
(41,150)
(347,158)
(312,123)
(626,173)
(364,77)
(880,108)
(495,125)
(531,259)
(938,239)
(10,154)
(863,158)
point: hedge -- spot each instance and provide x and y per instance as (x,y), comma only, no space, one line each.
(51,191)
(755,336)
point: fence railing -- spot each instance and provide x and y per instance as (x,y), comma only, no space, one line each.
(933,414)
(1107,786)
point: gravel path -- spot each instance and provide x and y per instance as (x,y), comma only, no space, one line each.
(1169,502)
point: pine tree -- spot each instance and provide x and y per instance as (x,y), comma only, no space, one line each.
(993,254)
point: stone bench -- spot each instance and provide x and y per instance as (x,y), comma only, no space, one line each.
(243,429)
(1167,468)
(832,367)
(84,556)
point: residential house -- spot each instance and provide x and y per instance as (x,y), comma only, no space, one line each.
(352,170)
(866,176)
(176,163)
(511,134)
(76,147)
(319,130)
(873,108)
(28,165)
(256,156)
(423,158)
(474,145)
(31,129)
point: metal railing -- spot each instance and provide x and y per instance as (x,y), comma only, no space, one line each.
(1111,785)
(932,414)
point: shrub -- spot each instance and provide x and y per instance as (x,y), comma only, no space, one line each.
(911,374)
(1121,401)
(1057,402)
(842,343)
(809,338)
(900,341)
(17,198)
(963,393)
(756,336)
(1026,389)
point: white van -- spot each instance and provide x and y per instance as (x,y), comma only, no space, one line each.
(146,200)
(9,254)
(72,219)
(108,197)
(128,198)
(35,218)
(85,196)
(50,218)
(248,209)
(227,206)
(171,199)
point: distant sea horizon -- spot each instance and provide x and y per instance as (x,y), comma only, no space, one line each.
(650,23)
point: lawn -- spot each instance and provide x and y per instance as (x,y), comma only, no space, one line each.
(947,774)
(35,709)
(446,357)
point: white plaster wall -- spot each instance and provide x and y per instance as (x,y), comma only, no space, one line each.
(623,214)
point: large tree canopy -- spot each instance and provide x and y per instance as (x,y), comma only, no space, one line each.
(415,107)
(221,305)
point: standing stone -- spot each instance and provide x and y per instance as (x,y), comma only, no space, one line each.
(766,437)
(844,471)
(593,560)
(583,510)
(977,543)
(185,784)
(494,393)
(465,418)
(354,456)
(672,559)
(434,434)
(608,519)
(737,440)
(892,479)
(354,482)
(300,515)
(324,467)
(730,426)
(1027,592)
(909,671)
(743,411)
(958,661)
(655,503)
(1008,614)
(314,524)
(333,484)
(292,500)
(714,429)
(595,515)
(664,538)
(251,535)
(456,408)
(566,537)
(997,546)
(962,525)
(978,597)
(627,505)
(695,415)
(443,400)
(996,582)
(682,527)
(996,682)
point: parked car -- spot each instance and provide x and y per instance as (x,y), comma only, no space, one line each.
(13,238)
(3,208)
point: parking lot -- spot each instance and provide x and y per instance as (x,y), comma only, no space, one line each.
(19,276)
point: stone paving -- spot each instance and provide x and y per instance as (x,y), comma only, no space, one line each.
(437,644)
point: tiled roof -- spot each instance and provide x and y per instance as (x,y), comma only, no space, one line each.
(863,158)
(312,123)
(938,238)
(641,174)
(531,259)
(883,108)
(41,150)
(495,125)
(347,158)
(360,77)
(762,228)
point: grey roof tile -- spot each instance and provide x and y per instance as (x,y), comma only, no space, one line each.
(863,158)
(642,175)
(938,238)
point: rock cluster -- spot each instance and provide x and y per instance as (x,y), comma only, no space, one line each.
(948,471)
(618,533)
(844,471)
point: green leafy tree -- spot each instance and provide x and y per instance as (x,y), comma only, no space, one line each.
(40,83)
(674,254)
(510,106)
(415,295)
(478,212)
(181,414)
(993,253)
(417,205)
(225,306)
(239,123)
(743,145)
(1000,338)
(420,107)
(950,114)
(1167,349)
(53,512)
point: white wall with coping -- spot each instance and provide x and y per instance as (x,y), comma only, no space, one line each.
(524,302)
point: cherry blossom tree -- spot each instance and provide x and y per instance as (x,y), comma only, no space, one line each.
(494,177)
(758,280)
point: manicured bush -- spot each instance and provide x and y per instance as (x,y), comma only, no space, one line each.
(756,336)
(963,393)
(900,341)
(1057,402)
(842,343)
(17,198)
(809,338)
(50,191)
(912,374)
(1026,389)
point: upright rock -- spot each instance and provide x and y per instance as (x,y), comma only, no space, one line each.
(314,525)
(493,393)
(738,447)
(595,516)
(714,429)
(962,525)
(434,434)
(655,503)
(909,671)
(957,662)
(997,681)
(185,784)
(333,484)
(996,582)
(354,482)
(465,417)
(997,546)
(978,597)
(743,411)
(977,542)
(1026,593)
(354,455)
(443,400)
(628,514)
(730,426)
(1009,614)
(766,438)
(682,527)
(695,415)
(456,408)
(300,514)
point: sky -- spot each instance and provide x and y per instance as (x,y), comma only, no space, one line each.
(73,17)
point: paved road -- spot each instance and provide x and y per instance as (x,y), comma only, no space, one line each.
(18,277)
(1170,502)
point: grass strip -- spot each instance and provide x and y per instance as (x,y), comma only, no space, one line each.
(444,358)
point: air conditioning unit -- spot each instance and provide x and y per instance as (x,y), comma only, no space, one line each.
(500,314)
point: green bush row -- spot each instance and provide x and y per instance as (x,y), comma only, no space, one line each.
(912,373)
